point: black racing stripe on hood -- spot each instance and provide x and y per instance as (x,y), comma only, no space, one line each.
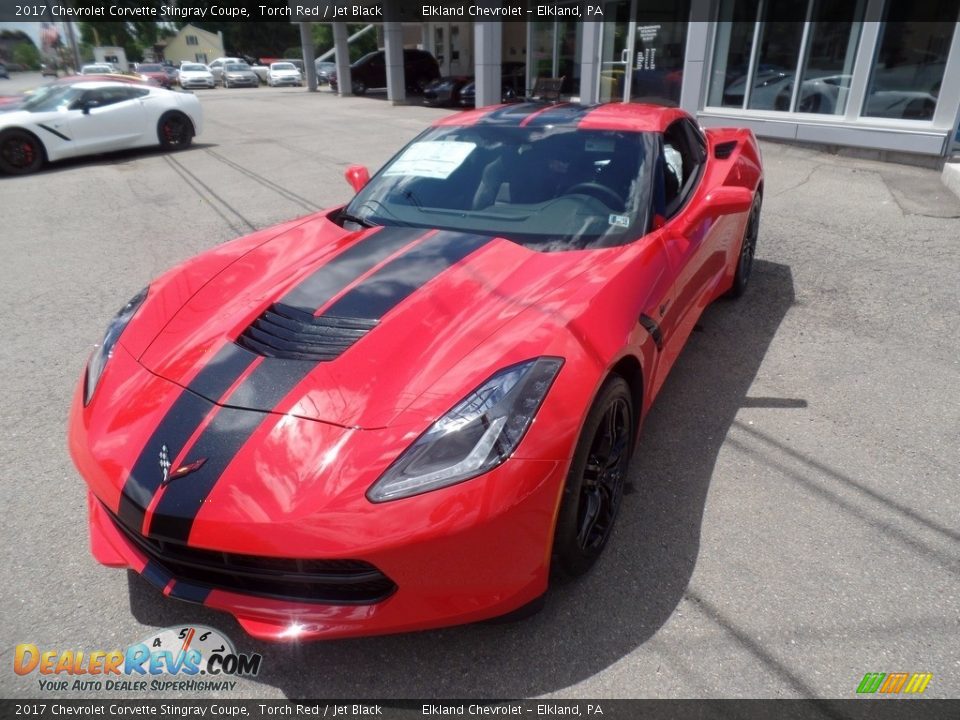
(510,115)
(332,278)
(566,114)
(219,442)
(230,362)
(274,378)
(396,281)
(181,420)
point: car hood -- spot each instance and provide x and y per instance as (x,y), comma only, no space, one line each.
(349,328)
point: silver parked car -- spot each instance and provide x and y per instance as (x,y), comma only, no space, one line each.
(284,73)
(216,67)
(239,75)
(196,75)
(324,69)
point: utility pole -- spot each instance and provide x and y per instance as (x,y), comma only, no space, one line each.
(74,49)
(306,42)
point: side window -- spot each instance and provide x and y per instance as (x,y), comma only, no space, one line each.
(135,93)
(682,160)
(114,95)
(89,98)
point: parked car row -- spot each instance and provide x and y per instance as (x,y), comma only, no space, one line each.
(234,72)
(461,91)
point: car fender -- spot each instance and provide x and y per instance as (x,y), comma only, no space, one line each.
(173,289)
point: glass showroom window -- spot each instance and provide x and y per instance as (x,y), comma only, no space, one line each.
(908,71)
(828,61)
(756,63)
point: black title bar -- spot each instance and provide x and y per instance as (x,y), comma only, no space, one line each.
(354,11)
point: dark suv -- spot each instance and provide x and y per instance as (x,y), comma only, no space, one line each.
(420,68)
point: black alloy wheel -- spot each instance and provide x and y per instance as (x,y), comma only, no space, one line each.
(174,131)
(20,152)
(594,488)
(748,249)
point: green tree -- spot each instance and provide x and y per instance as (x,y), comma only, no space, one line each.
(26,54)
(322,35)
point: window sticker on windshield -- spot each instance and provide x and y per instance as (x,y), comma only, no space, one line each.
(619,220)
(436,159)
(604,145)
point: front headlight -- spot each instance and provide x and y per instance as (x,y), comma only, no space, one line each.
(478,434)
(98,360)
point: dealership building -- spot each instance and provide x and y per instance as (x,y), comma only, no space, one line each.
(877,74)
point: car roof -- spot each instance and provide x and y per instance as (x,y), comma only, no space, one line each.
(98,84)
(631,117)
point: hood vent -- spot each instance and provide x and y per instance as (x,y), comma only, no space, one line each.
(286,332)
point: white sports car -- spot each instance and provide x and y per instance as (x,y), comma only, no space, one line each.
(82,118)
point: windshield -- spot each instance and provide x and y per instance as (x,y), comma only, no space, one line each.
(553,188)
(96,69)
(283,66)
(237,67)
(51,97)
(150,68)
(194,68)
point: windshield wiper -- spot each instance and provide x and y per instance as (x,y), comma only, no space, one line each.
(362,222)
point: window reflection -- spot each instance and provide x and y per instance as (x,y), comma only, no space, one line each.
(731,55)
(831,52)
(777,56)
(659,44)
(906,77)
(825,62)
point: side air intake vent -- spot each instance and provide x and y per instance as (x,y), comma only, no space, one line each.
(287,332)
(724,150)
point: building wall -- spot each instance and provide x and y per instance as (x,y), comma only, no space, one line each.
(180,49)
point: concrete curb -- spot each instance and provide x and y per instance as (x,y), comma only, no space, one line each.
(951,177)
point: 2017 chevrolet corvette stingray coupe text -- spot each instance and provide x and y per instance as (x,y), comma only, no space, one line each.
(415,410)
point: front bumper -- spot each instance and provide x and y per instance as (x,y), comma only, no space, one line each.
(457,555)
(244,82)
(296,82)
(189,84)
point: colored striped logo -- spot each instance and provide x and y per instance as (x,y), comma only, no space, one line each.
(894,683)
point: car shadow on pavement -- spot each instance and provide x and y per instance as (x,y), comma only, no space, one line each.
(116,157)
(586,625)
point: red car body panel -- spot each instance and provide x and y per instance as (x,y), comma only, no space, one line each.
(289,450)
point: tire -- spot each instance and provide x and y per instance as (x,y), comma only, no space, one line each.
(748,248)
(174,131)
(20,152)
(359,87)
(594,487)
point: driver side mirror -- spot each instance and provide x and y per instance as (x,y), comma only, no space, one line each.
(719,201)
(358,176)
(86,107)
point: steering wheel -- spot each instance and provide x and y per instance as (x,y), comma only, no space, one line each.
(600,192)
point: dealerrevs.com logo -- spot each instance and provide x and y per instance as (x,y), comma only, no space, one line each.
(193,659)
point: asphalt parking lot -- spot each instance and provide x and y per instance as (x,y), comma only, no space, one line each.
(792,516)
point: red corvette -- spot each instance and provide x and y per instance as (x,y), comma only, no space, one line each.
(414,410)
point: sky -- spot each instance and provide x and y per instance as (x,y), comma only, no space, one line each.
(30,28)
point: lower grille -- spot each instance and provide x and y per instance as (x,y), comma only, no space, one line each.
(330,582)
